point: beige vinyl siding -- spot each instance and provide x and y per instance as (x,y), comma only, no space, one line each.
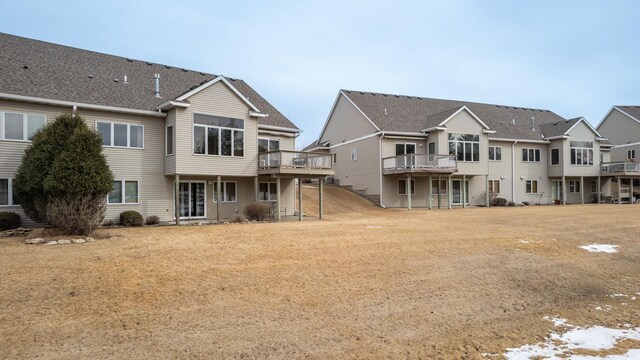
(465,123)
(364,173)
(620,154)
(346,123)
(286,143)
(581,133)
(170,161)
(557,170)
(532,171)
(618,128)
(217,100)
(502,168)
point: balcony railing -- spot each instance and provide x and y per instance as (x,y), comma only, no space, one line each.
(620,168)
(301,160)
(420,163)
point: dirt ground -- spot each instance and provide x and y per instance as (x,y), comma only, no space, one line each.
(364,283)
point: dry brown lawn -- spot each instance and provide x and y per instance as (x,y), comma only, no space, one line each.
(364,283)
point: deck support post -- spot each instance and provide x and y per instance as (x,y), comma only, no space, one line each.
(256,188)
(464,191)
(430,192)
(631,198)
(564,190)
(278,199)
(320,198)
(487,201)
(408,192)
(599,190)
(177,200)
(300,214)
(439,196)
(449,193)
(619,191)
(582,190)
(218,197)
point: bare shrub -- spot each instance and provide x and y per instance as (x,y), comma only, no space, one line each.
(152,220)
(257,211)
(76,215)
(108,223)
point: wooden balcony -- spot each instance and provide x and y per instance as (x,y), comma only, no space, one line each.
(620,168)
(295,164)
(419,164)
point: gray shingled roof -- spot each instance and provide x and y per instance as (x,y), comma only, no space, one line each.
(631,110)
(558,128)
(44,70)
(412,114)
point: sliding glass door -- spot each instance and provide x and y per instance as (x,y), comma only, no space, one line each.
(192,199)
(456,192)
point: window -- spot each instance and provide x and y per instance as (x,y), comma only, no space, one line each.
(494,186)
(434,187)
(532,187)
(495,153)
(631,154)
(169,140)
(267,191)
(123,192)
(402,187)
(574,186)
(6,193)
(466,147)
(581,153)
(530,155)
(354,153)
(228,191)
(216,135)
(21,127)
(335,158)
(267,145)
(594,186)
(121,135)
(431,148)
(555,156)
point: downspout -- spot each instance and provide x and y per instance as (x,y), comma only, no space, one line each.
(513,171)
(380,149)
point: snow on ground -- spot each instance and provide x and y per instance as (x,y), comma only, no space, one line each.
(605,248)
(560,344)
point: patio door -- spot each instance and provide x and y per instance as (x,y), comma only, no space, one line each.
(556,189)
(192,199)
(405,149)
(456,192)
(269,145)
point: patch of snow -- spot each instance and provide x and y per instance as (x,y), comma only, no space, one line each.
(605,248)
(557,321)
(618,295)
(559,345)
(374,227)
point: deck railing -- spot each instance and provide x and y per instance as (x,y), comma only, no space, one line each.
(620,168)
(294,160)
(420,161)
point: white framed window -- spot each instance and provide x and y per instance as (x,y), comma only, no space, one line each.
(554,155)
(494,186)
(434,187)
(466,147)
(7,193)
(574,186)
(531,187)
(402,187)
(123,192)
(530,155)
(169,140)
(354,153)
(495,153)
(217,135)
(267,191)
(121,135)
(631,154)
(581,153)
(268,145)
(18,126)
(594,186)
(431,148)
(228,193)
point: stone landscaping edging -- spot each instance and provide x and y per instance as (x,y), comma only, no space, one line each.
(41,241)
(15,232)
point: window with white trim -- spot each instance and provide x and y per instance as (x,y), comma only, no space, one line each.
(169,140)
(123,192)
(217,135)
(555,156)
(431,148)
(631,154)
(495,153)
(574,186)
(581,152)
(466,147)
(267,191)
(120,134)
(228,193)
(530,155)
(402,187)
(18,126)
(531,187)
(434,187)
(7,193)
(494,186)
(354,153)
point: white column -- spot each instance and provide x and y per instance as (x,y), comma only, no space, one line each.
(430,192)
(439,196)
(464,191)
(320,198)
(278,199)
(177,200)
(619,191)
(218,197)
(300,215)
(449,193)
(408,192)
(599,189)
(564,191)
(582,190)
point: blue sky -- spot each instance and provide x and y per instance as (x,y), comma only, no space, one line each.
(572,57)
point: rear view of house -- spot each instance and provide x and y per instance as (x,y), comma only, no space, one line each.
(181,143)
